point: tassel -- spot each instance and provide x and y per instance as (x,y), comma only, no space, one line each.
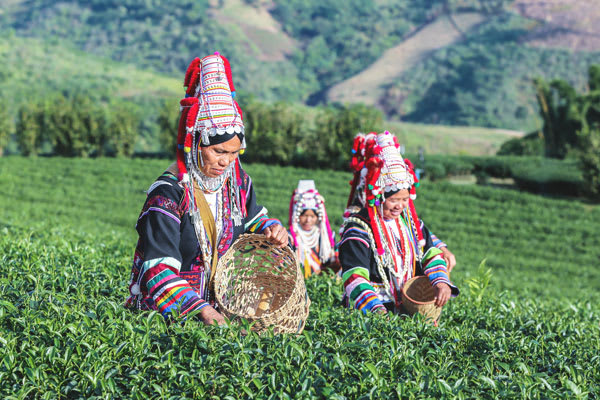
(190,124)
(376,234)
(228,73)
(190,69)
(193,83)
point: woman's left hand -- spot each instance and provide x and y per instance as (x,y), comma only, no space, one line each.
(442,294)
(277,235)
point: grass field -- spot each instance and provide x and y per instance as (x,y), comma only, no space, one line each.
(450,140)
(66,243)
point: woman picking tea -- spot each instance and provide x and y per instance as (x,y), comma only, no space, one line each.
(197,208)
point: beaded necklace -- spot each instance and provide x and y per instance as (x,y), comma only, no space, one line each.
(309,239)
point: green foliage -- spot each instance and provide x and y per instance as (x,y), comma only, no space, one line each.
(560,112)
(168,121)
(548,176)
(66,262)
(486,79)
(480,282)
(6,126)
(533,174)
(340,37)
(27,131)
(287,134)
(123,129)
(76,126)
(572,121)
(531,144)
(80,126)
(589,135)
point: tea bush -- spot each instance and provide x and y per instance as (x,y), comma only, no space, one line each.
(527,328)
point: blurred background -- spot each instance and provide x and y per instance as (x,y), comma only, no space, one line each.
(86,77)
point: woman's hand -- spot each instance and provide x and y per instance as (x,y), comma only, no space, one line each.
(276,234)
(210,316)
(442,294)
(449,257)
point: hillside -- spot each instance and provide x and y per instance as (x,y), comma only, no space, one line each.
(369,85)
(567,24)
(406,57)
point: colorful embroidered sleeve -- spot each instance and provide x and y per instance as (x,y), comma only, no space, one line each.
(436,242)
(257,219)
(355,255)
(434,267)
(158,228)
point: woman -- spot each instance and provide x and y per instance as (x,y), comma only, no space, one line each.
(310,232)
(200,205)
(356,200)
(383,245)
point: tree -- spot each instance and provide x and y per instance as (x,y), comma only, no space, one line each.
(27,130)
(123,129)
(168,122)
(336,129)
(76,126)
(6,126)
(560,110)
(589,135)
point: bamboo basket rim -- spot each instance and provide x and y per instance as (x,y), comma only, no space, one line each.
(411,282)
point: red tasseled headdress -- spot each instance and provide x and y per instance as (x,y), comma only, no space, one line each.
(413,196)
(357,162)
(187,121)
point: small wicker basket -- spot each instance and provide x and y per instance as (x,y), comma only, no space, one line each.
(418,297)
(262,283)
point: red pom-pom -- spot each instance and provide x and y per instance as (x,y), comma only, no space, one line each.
(193,83)
(228,72)
(188,73)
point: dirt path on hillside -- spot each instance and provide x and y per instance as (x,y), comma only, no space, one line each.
(366,87)
(569,24)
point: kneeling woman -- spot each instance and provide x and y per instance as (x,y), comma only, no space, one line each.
(200,205)
(379,249)
(309,230)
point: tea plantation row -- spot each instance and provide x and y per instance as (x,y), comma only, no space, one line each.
(66,241)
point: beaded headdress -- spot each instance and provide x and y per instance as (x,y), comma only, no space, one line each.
(209,113)
(306,197)
(379,172)
(209,116)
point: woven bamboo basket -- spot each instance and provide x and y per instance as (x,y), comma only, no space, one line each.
(262,283)
(418,297)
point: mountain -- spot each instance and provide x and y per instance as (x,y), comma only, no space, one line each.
(457,62)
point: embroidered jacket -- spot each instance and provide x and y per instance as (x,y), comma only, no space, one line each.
(364,287)
(168,271)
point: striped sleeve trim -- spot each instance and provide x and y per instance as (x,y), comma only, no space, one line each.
(437,242)
(170,292)
(360,271)
(361,240)
(355,233)
(170,261)
(367,301)
(263,212)
(361,294)
(260,222)
(435,269)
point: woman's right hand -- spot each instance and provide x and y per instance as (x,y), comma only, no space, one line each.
(210,316)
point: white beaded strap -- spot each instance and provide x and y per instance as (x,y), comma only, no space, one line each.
(380,260)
